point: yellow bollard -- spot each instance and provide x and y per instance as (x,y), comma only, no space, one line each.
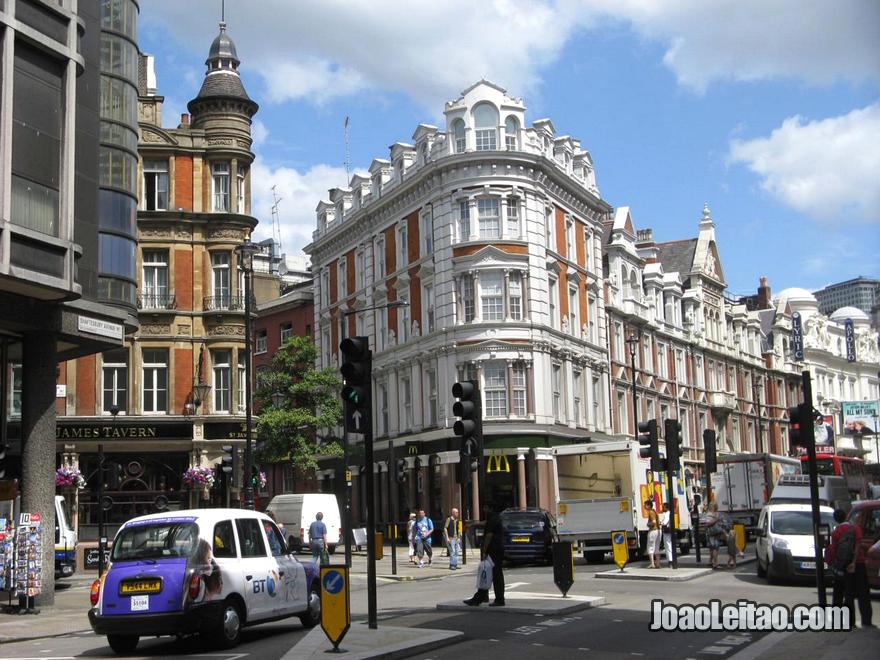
(740,531)
(379,545)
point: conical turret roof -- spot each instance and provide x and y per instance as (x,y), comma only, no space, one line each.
(222,79)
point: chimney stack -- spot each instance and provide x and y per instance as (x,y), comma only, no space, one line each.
(764,293)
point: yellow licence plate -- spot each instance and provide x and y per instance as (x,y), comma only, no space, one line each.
(521,539)
(133,587)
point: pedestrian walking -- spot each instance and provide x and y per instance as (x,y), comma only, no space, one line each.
(846,558)
(653,535)
(422,531)
(409,537)
(318,538)
(452,536)
(493,550)
(666,529)
(714,532)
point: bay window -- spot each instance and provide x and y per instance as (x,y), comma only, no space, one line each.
(514,293)
(467,298)
(495,389)
(464,221)
(489,218)
(512,208)
(492,296)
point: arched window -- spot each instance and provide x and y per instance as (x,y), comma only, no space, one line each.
(511,132)
(624,282)
(486,124)
(458,135)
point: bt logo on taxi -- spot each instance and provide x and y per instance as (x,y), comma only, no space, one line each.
(269,585)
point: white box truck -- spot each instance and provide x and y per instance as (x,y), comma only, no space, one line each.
(744,482)
(602,487)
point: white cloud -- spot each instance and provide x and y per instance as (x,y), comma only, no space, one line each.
(827,169)
(259,132)
(324,49)
(299,193)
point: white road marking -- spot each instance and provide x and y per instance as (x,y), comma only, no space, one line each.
(514,585)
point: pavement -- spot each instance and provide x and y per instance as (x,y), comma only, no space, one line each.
(857,643)
(688,568)
(385,642)
(523,602)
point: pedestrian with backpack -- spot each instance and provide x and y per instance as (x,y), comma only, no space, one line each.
(846,560)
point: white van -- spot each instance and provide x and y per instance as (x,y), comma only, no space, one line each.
(784,540)
(297,511)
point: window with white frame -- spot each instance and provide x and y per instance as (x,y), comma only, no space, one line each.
(550,227)
(698,370)
(458,135)
(618,342)
(154,380)
(404,321)
(155,185)
(382,328)
(701,421)
(15,389)
(261,342)
(242,384)
(588,249)
(646,353)
(518,385)
(464,220)
(467,298)
(406,390)
(427,232)
(154,288)
(402,256)
(554,293)
(220,280)
(221,385)
(220,182)
(511,133)
(713,380)
(495,389)
(685,426)
(512,209)
(342,278)
(556,384)
(380,257)
(514,285)
(326,349)
(662,361)
(325,288)
(596,400)
(489,218)
(240,188)
(573,309)
(492,295)
(359,269)
(622,417)
(286,332)
(383,409)
(569,238)
(578,396)
(664,412)
(593,313)
(360,324)
(431,387)
(680,374)
(115,379)
(428,308)
(486,127)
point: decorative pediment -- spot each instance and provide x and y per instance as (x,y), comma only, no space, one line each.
(490,256)
(155,135)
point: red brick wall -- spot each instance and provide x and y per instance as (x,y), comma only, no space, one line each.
(415,298)
(390,250)
(413,233)
(349,272)
(579,244)
(183,377)
(560,232)
(183,278)
(183,183)
(467,250)
(86,385)
(563,291)
(334,283)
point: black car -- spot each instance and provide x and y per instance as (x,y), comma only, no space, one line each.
(528,535)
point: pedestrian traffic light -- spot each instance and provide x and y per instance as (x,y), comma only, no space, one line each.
(229,464)
(400,472)
(650,447)
(255,476)
(357,363)
(710,450)
(672,435)
(470,425)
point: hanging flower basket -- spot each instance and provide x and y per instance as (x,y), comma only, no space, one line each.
(261,480)
(70,478)
(199,478)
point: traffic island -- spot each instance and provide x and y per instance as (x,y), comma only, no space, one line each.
(384,642)
(662,574)
(521,602)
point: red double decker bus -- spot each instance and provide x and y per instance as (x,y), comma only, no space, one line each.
(851,468)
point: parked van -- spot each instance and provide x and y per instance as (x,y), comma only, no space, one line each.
(207,571)
(297,511)
(795,489)
(65,540)
(784,542)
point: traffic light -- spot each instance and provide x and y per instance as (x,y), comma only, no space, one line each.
(800,431)
(650,446)
(357,363)
(229,464)
(470,425)
(710,450)
(672,435)
(400,472)
(255,476)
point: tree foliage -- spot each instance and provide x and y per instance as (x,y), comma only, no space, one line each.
(301,429)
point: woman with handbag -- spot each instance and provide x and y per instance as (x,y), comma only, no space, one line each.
(714,533)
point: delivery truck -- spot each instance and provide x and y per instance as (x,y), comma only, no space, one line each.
(602,488)
(744,482)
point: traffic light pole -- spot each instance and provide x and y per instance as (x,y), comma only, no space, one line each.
(101,537)
(670,496)
(372,617)
(806,432)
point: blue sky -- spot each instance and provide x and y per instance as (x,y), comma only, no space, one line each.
(768,111)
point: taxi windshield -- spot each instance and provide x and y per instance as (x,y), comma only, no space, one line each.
(155,540)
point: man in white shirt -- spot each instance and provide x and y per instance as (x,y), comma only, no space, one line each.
(667,532)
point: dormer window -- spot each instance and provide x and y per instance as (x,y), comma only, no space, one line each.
(459,135)
(486,123)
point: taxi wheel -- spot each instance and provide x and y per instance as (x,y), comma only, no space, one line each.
(312,616)
(228,630)
(123,643)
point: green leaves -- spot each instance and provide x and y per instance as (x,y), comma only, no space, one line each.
(301,429)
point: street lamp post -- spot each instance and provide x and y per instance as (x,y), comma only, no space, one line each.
(246,253)
(633,342)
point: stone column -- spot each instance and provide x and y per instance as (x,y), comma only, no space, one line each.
(478,296)
(506,295)
(38,444)
(521,478)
